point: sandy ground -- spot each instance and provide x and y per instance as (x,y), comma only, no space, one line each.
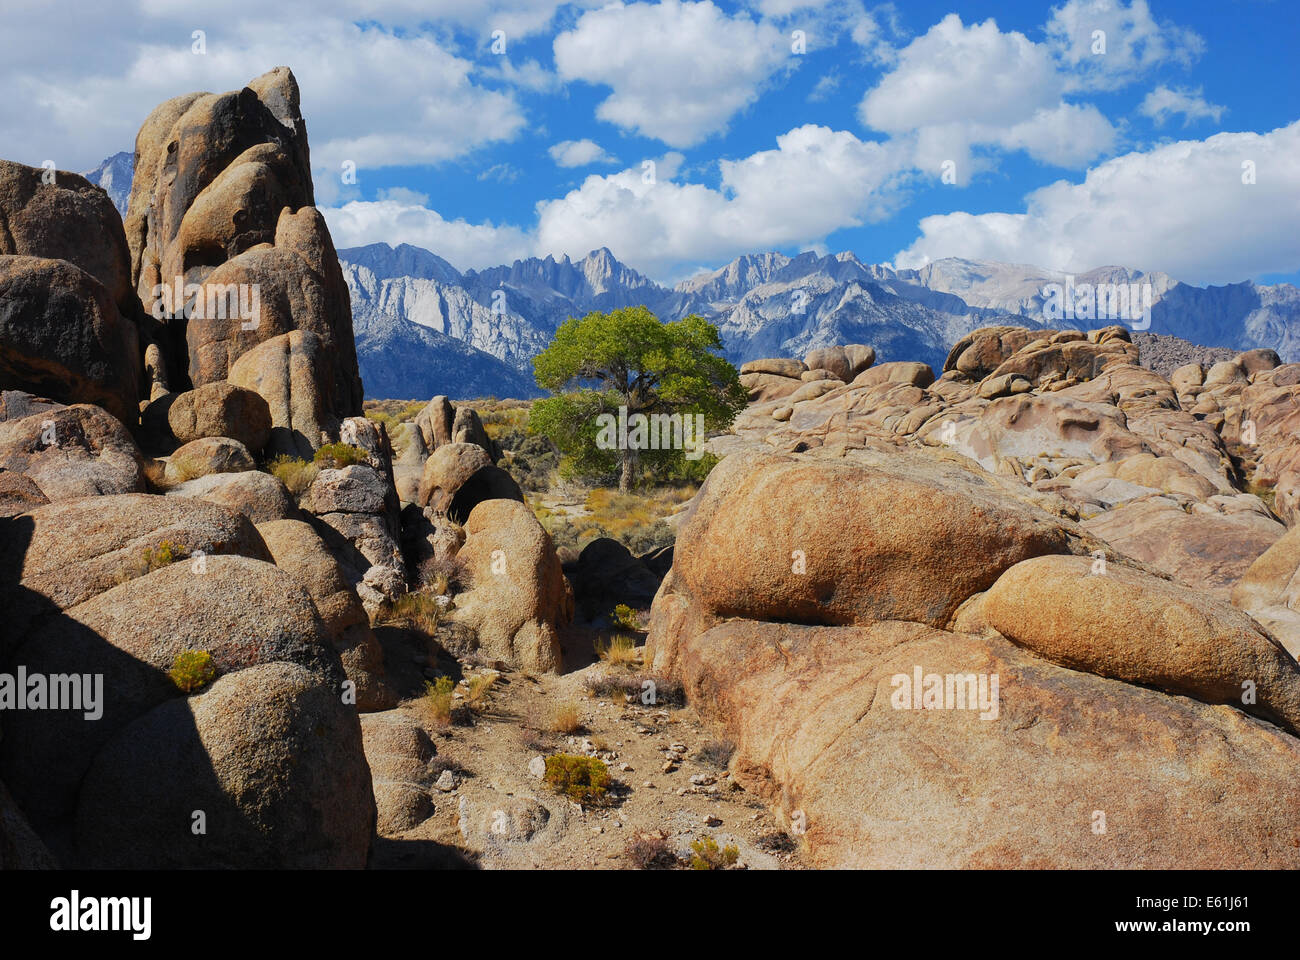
(499,815)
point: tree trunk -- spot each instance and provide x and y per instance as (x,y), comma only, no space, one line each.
(625,477)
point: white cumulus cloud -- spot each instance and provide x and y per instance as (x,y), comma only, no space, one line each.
(957,87)
(1184,208)
(578,153)
(677,71)
(1164,102)
(1107,44)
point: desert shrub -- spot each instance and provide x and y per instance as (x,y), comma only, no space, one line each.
(625,618)
(708,856)
(166,553)
(389,421)
(417,609)
(667,693)
(532,460)
(336,456)
(444,575)
(717,753)
(643,540)
(437,699)
(565,717)
(581,779)
(296,474)
(479,693)
(192,670)
(683,470)
(620,650)
(650,851)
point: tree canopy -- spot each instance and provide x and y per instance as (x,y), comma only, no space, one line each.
(626,358)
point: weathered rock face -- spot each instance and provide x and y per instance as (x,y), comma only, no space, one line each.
(201,458)
(810,541)
(285,372)
(812,713)
(271,756)
(258,496)
(223,199)
(298,550)
(71,452)
(855,537)
(62,336)
(843,363)
(1207,544)
(19,494)
(68,219)
(221,409)
(458,477)
(398,751)
(355,510)
(1270,590)
(518,598)
(63,554)
(131,635)
(1132,626)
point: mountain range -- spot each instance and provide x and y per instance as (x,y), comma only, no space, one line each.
(765,305)
(423,327)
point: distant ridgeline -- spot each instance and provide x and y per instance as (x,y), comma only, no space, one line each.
(424,328)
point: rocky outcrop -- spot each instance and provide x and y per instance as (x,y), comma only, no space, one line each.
(269,756)
(518,599)
(888,590)
(221,409)
(258,496)
(298,550)
(71,452)
(399,752)
(223,200)
(62,336)
(63,554)
(457,477)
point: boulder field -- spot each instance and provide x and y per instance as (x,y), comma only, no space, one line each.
(1038,611)
(201,537)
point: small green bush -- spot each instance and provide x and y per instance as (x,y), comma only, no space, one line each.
(296,475)
(336,456)
(192,670)
(155,558)
(709,857)
(437,699)
(625,618)
(582,779)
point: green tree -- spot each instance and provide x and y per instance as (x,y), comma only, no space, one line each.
(627,358)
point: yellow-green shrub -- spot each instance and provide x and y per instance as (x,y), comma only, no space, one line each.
(192,670)
(582,779)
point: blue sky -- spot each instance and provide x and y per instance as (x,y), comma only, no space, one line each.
(1056,152)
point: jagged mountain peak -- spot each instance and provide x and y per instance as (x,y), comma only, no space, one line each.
(113,176)
(403,260)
